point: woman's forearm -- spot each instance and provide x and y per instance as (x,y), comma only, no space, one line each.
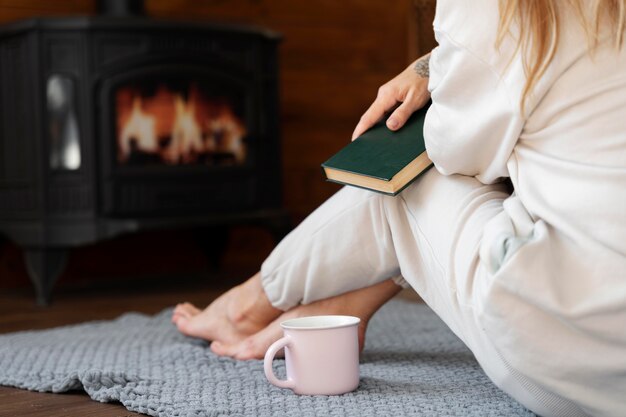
(421,66)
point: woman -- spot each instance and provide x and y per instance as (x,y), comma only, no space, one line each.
(533,282)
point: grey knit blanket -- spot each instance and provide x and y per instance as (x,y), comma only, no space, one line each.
(412,366)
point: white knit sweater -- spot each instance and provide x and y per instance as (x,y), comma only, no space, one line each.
(555,300)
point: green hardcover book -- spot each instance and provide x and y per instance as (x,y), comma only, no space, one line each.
(382,160)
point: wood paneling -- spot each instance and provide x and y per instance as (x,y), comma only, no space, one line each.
(11,10)
(334,56)
(421,36)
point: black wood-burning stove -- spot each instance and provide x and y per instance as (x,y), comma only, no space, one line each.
(116,123)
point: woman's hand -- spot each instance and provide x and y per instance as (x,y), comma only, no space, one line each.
(409,89)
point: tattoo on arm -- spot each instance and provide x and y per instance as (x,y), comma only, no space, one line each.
(421,66)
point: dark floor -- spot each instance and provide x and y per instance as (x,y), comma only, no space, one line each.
(94,301)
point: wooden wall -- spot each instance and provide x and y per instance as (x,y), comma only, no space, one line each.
(334,56)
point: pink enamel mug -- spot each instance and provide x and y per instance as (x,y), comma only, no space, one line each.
(321,355)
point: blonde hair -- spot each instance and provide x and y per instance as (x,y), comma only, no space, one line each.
(538,22)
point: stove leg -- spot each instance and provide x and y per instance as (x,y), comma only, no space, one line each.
(212,241)
(44,267)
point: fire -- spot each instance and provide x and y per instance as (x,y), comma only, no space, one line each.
(169,129)
(138,134)
(186,134)
(225,136)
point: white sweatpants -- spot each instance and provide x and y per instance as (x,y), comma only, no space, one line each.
(430,235)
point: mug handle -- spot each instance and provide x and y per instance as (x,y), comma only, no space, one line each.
(269,359)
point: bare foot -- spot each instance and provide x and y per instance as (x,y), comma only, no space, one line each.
(236,314)
(361,303)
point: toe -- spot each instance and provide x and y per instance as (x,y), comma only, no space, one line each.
(251,348)
(197,326)
(224,349)
(190,309)
(179,309)
(254,347)
(248,348)
(186,326)
(181,323)
(177,314)
(186,310)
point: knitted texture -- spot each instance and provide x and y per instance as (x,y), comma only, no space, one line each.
(412,366)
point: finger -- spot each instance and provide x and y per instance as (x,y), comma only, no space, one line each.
(400,115)
(384,102)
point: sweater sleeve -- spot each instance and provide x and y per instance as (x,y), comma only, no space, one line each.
(472,124)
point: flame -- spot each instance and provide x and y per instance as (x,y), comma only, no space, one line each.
(139,132)
(226,134)
(186,141)
(166,128)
